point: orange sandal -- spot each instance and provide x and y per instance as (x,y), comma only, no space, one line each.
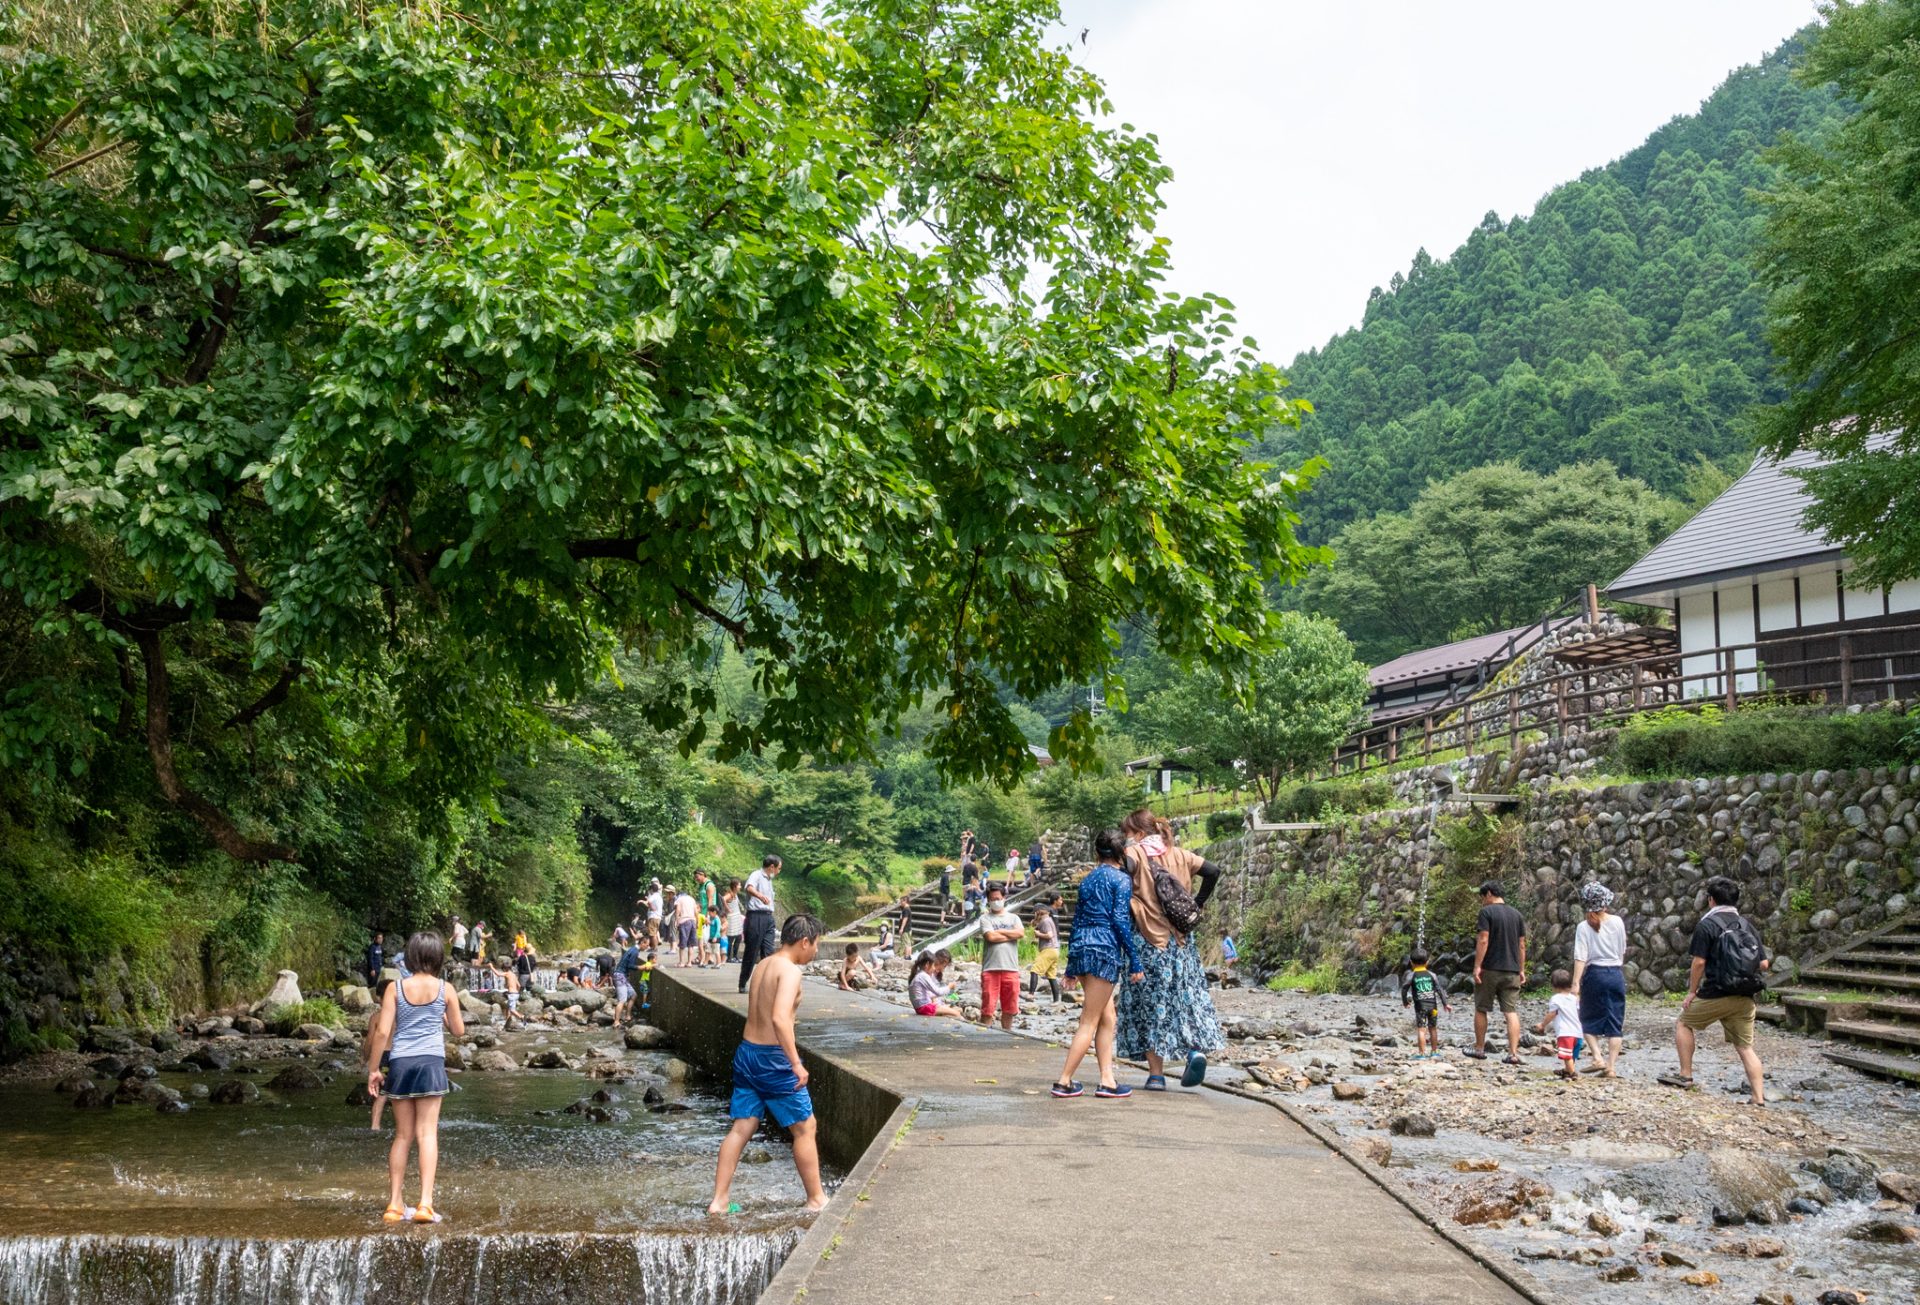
(425,1214)
(397,1214)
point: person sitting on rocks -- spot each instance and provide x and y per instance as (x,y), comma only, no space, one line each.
(927,986)
(856,973)
(1728,971)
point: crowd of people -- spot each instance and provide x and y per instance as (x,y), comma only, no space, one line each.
(1144,993)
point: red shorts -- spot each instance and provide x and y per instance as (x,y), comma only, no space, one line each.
(999,989)
(926,1010)
(1566,1046)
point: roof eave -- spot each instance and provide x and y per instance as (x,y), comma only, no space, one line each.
(1669,587)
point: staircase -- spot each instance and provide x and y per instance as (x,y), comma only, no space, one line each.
(1865,996)
(1066,881)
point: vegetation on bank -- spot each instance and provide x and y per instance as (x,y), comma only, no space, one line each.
(1683,742)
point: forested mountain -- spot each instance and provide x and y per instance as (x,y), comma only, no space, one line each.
(1621,321)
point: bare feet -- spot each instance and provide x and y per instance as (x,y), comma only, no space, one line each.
(815,1207)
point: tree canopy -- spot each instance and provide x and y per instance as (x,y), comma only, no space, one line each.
(395,367)
(1485,550)
(1841,254)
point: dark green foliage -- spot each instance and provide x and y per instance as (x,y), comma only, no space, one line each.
(1489,549)
(1092,799)
(1842,256)
(1676,742)
(314,1010)
(1226,824)
(926,813)
(1620,321)
(1304,802)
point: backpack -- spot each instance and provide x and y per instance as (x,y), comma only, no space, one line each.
(1176,903)
(1733,962)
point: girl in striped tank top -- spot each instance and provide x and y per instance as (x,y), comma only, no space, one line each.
(415,1016)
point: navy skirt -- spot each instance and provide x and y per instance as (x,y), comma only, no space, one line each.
(412,1077)
(1603,1001)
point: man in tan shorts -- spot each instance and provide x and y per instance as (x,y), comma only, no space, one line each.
(1728,963)
(1499,971)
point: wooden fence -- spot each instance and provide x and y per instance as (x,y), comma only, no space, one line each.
(1832,669)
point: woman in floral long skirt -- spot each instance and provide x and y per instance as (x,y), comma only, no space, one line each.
(1169,1012)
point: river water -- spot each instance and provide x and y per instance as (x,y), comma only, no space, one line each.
(278,1202)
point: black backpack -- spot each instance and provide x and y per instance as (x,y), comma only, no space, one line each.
(1733,962)
(1176,903)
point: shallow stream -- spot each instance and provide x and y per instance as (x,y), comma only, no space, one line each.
(278,1202)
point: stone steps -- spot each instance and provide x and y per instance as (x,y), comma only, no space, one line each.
(1906,1010)
(1864,978)
(1902,1035)
(1878,1063)
(1909,959)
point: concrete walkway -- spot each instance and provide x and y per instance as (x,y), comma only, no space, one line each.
(1000,1193)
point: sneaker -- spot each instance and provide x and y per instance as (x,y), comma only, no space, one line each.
(1067,1089)
(1113,1093)
(1196,1071)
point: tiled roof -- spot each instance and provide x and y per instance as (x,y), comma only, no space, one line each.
(1463,655)
(1753,526)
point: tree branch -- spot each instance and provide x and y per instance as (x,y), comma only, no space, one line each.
(272,698)
(82,160)
(206,342)
(733,627)
(66,120)
(219,826)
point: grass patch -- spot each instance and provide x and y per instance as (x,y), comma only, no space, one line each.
(314,1010)
(1317,979)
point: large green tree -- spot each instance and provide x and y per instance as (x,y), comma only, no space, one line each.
(1488,549)
(1841,254)
(1304,699)
(430,355)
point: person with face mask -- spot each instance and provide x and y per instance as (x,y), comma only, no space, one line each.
(1001,930)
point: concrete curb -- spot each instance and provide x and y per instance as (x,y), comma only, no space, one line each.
(817,1246)
(1523,1283)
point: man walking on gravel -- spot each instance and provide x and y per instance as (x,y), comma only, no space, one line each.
(1728,970)
(1499,970)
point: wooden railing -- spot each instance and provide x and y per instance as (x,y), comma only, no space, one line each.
(1776,669)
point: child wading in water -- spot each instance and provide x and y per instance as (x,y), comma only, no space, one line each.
(1564,1015)
(415,1017)
(768,1076)
(1426,992)
(926,988)
(511,981)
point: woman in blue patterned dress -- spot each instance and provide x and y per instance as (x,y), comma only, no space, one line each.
(1100,951)
(1169,1012)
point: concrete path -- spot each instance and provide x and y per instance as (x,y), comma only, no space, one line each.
(999,1193)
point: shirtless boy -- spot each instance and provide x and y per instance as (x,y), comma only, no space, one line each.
(768,1076)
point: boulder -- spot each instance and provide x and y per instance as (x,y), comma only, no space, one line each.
(1411,1126)
(208,1058)
(473,1008)
(677,1070)
(92,1095)
(1848,1173)
(548,1058)
(1349,1092)
(1896,1186)
(644,1037)
(250,1025)
(295,1078)
(73,1083)
(285,992)
(107,1066)
(356,999)
(588,1000)
(483,1037)
(1495,1199)
(359,1096)
(1890,1232)
(454,1056)
(314,1033)
(492,1060)
(1604,1224)
(1751,1248)
(234,1092)
(171,1106)
(164,1040)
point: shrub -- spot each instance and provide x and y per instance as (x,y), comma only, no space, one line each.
(1679,742)
(1226,824)
(1321,978)
(1302,802)
(314,1010)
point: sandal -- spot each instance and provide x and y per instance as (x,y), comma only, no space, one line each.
(1511,1060)
(425,1214)
(1682,1081)
(1067,1089)
(1471,1054)
(1117,1092)
(1156,1083)
(397,1214)
(1196,1071)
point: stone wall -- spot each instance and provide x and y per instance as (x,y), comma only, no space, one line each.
(1820,856)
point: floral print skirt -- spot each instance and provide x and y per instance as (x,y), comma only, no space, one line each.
(1170,1012)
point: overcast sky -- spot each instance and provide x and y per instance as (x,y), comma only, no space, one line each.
(1315,146)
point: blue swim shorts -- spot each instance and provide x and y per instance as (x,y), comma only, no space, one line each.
(764,1083)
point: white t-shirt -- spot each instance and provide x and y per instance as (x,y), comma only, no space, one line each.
(653,905)
(460,936)
(685,909)
(1566,1015)
(761,882)
(1015,864)
(1606,945)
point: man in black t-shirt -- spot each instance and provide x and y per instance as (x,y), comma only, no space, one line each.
(1721,983)
(1499,970)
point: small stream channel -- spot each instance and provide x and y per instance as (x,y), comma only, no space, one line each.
(278,1202)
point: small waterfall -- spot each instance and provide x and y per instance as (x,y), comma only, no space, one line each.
(401,1267)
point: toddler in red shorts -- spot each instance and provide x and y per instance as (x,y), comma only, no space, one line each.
(1563,1015)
